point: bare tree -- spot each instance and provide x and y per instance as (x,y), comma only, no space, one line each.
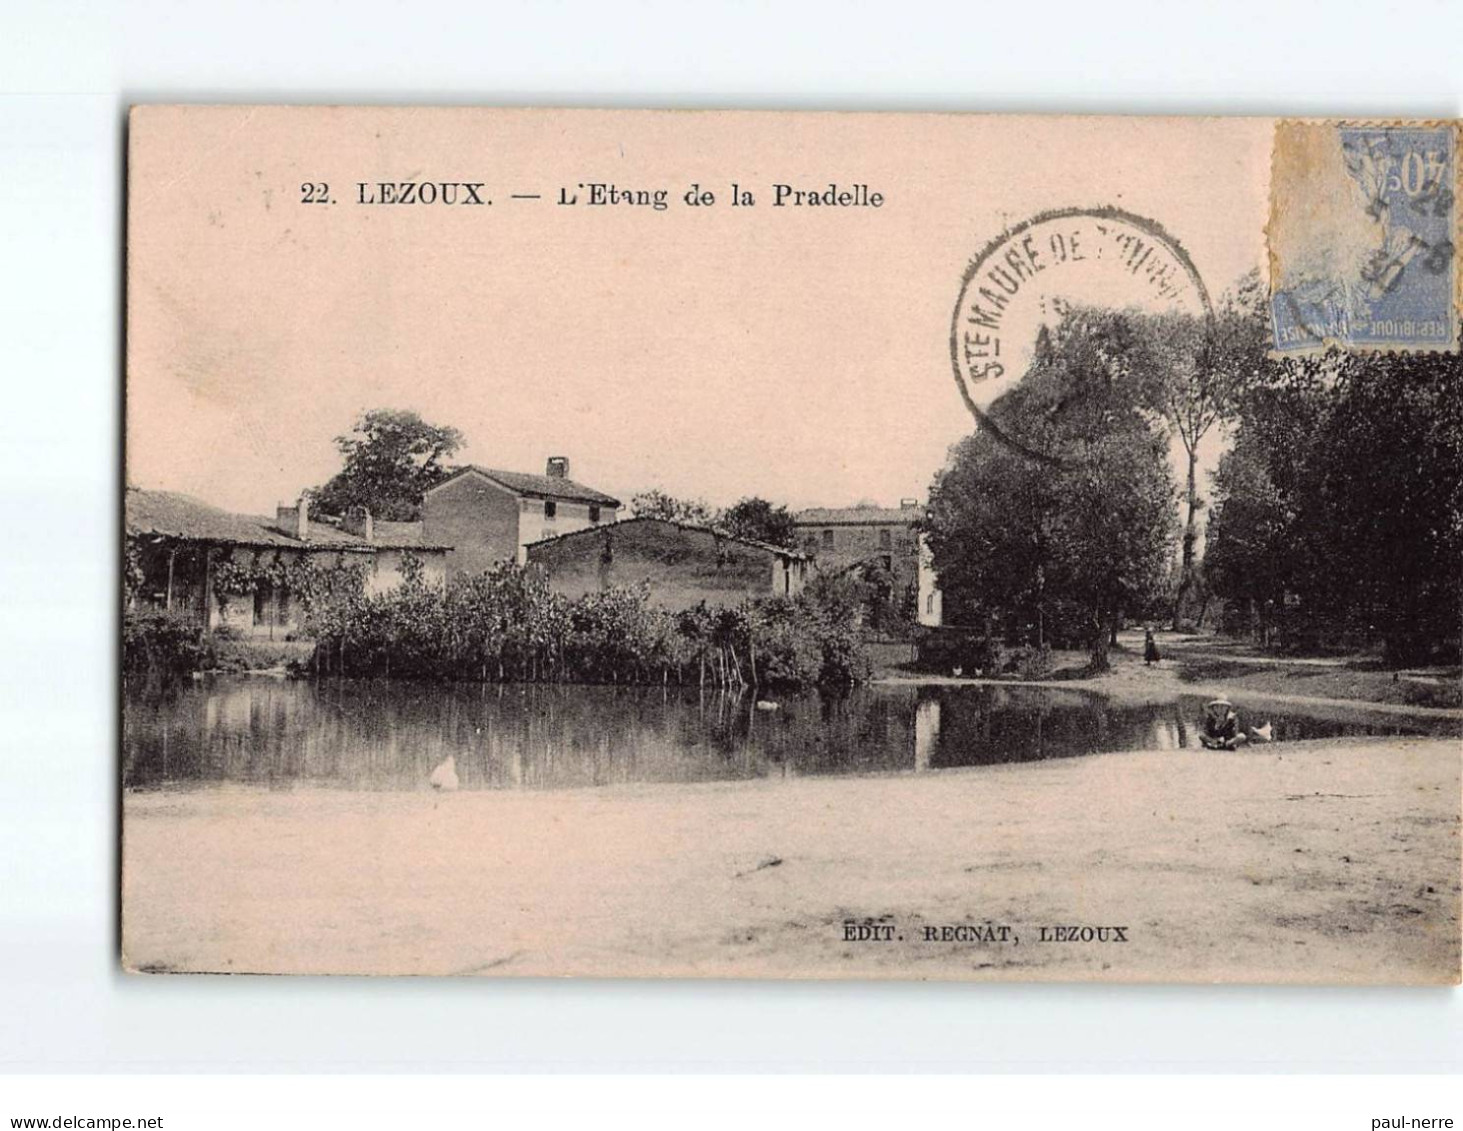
(1201,366)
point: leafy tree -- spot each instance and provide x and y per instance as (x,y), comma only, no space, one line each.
(1339,513)
(656,503)
(761,521)
(1391,489)
(1112,531)
(988,530)
(1065,504)
(1246,555)
(391,458)
(1257,549)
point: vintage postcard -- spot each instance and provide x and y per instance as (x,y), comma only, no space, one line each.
(791,545)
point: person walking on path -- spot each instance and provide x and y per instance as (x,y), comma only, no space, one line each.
(1150,648)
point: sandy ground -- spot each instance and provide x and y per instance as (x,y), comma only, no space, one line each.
(1314,862)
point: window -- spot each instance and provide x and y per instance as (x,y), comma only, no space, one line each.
(594,515)
(885,540)
(551,508)
(930,603)
(828,539)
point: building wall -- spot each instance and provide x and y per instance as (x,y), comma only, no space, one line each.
(534,524)
(683,567)
(851,544)
(477,518)
(385,574)
(931,606)
(486,524)
(789,575)
(268,613)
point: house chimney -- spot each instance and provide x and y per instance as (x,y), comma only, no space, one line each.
(357,520)
(558,467)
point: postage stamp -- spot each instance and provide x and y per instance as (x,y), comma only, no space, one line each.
(1363,235)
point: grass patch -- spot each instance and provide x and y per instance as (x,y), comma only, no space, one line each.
(1364,686)
(245,655)
(1207,671)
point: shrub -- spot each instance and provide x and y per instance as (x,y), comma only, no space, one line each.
(1032,661)
(507,625)
(845,658)
(244,655)
(159,641)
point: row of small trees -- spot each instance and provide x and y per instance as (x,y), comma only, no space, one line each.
(506,624)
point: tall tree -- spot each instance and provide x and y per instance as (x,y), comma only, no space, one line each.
(988,527)
(1258,549)
(1068,502)
(1391,490)
(391,457)
(1200,368)
(1339,511)
(761,521)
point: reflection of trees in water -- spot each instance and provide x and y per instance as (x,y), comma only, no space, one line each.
(389,735)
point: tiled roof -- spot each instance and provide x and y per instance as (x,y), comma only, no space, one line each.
(691,527)
(536,486)
(169,514)
(857,516)
(172,515)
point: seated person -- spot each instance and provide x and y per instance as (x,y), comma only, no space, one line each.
(1221,725)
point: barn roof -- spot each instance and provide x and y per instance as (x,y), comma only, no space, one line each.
(534,486)
(858,516)
(170,514)
(687,526)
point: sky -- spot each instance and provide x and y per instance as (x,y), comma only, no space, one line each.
(797,353)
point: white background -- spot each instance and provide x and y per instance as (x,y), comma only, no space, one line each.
(67,71)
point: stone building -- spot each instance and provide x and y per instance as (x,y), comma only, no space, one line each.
(683,564)
(844,539)
(488,516)
(181,546)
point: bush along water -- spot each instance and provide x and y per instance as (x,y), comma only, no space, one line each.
(507,625)
(162,643)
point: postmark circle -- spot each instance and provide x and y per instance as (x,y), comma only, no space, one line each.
(1127,251)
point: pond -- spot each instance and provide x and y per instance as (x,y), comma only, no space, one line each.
(380,735)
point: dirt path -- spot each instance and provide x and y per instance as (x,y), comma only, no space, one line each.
(1321,683)
(1316,862)
(1131,683)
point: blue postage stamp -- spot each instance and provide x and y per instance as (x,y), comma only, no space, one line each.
(1362,236)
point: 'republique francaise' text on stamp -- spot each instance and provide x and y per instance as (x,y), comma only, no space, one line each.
(1363,236)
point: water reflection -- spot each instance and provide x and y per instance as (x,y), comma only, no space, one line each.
(381,735)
